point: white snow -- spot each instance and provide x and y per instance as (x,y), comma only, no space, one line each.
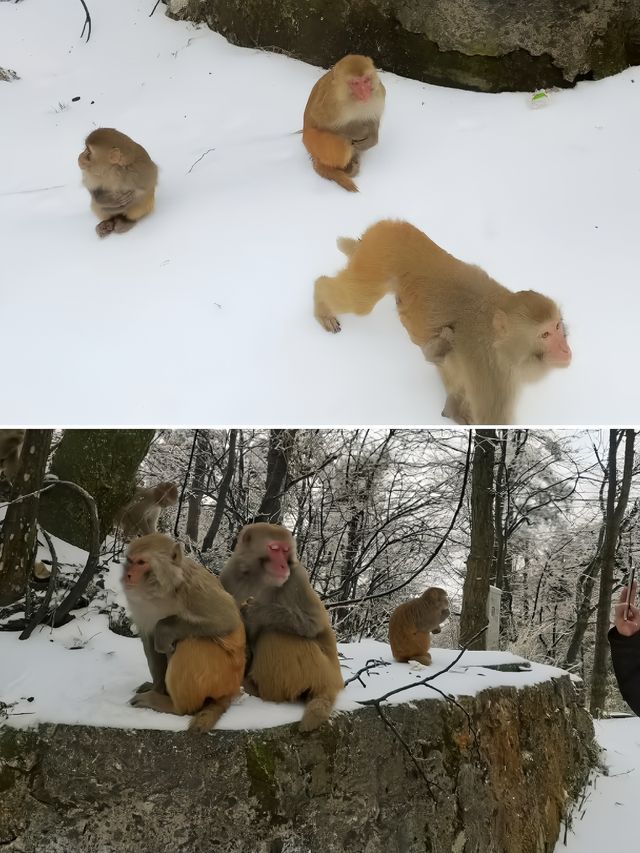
(203,313)
(608,817)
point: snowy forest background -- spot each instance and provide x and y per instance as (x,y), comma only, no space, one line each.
(550,517)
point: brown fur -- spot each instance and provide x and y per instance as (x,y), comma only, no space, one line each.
(140,516)
(412,623)
(337,126)
(294,655)
(11,441)
(485,339)
(121,178)
(191,629)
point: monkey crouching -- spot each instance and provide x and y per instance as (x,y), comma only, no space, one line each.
(412,623)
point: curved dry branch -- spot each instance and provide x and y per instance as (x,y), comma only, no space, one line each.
(87,21)
(42,611)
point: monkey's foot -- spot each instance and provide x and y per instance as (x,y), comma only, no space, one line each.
(250,687)
(145,687)
(104,228)
(329,323)
(425,659)
(353,167)
(122,224)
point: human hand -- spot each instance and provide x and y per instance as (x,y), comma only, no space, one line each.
(631,625)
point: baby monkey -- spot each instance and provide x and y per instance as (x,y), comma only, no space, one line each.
(121,178)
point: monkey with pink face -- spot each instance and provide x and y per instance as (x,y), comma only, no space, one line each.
(293,650)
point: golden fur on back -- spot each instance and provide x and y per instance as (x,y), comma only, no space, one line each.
(411,624)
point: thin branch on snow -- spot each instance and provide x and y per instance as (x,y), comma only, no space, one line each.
(87,21)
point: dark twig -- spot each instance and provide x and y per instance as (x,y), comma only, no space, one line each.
(370,664)
(430,785)
(377,704)
(208,151)
(41,612)
(185,481)
(87,21)
(154,8)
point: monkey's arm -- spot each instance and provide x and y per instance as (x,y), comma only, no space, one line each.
(113,201)
(172,629)
(282,617)
(157,663)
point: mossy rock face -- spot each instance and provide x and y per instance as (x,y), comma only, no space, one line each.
(485,45)
(495,773)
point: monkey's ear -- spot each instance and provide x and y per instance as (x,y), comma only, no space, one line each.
(115,157)
(177,554)
(501,323)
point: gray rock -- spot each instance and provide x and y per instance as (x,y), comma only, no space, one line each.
(487,45)
(348,788)
(7,75)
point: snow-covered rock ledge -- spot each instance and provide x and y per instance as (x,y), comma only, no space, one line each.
(348,788)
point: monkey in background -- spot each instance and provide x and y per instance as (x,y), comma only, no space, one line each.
(140,516)
(293,650)
(191,631)
(342,118)
(121,178)
(486,341)
(10,448)
(412,623)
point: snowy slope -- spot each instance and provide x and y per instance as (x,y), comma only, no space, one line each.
(202,314)
(608,816)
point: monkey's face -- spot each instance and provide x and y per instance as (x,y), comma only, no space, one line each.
(276,562)
(361,87)
(84,158)
(551,343)
(437,598)
(150,572)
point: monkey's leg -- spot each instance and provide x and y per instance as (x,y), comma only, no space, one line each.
(206,719)
(250,687)
(456,408)
(423,659)
(157,666)
(156,701)
(317,711)
(345,294)
(107,226)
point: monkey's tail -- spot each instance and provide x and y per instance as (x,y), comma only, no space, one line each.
(337,175)
(206,719)
(317,711)
(347,245)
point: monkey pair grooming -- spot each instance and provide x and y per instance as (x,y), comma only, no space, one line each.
(140,516)
(486,341)
(191,631)
(121,178)
(342,118)
(412,623)
(293,650)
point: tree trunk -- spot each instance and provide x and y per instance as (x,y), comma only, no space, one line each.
(223,491)
(197,486)
(104,462)
(281,443)
(479,563)
(615,515)
(18,543)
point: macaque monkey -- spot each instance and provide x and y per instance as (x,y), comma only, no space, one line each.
(412,623)
(121,178)
(342,117)
(485,340)
(191,631)
(140,516)
(10,447)
(292,645)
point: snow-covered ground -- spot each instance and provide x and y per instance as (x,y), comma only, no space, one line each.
(607,819)
(203,313)
(84,673)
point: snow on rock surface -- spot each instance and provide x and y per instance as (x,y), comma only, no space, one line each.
(217,285)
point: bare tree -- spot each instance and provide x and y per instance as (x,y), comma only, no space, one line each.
(480,560)
(19,531)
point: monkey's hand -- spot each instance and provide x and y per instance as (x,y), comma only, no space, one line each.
(113,201)
(279,617)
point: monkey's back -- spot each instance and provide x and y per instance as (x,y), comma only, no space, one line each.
(405,638)
(202,669)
